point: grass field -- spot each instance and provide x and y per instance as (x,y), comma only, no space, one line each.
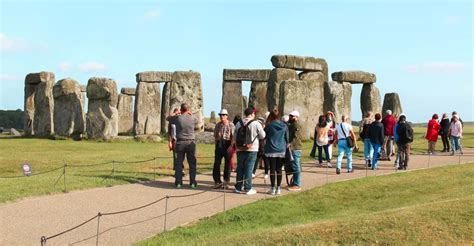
(434,206)
(44,155)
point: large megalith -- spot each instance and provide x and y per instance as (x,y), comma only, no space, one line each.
(337,98)
(102,115)
(69,115)
(301,63)
(165,107)
(125,110)
(39,104)
(370,99)
(354,77)
(186,88)
(277,76)
(305,96)
(258,97)
(392,101)
(232,98)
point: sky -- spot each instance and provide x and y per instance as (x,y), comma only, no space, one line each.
(422,50)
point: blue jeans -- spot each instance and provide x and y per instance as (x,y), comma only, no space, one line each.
(377,148)
(456,144)
(368,149)
(245,162)
(296,164)
(320,153)
(343,148)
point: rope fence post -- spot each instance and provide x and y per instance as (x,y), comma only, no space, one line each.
(43,241)
(166,212)
(98,228)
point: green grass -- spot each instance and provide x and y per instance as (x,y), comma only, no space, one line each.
(434,206)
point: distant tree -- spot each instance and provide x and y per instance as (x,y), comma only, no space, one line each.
(11,119)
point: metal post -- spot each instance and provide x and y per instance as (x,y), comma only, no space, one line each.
(43,241)
(166,212)
(98,228)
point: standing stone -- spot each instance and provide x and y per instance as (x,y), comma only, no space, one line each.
(39,104)
(125,114)
(258,97)
(165,107)
(392,101)
(337,98)
(147,117)
(354,77)
(213,117)
(128,91)
(370,99)
(83,88)
(232,98)
(277,76)
(69,116)
(305,96)
(247,74)
(186,88)
(102,115)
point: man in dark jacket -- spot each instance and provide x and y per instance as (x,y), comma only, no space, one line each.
(376,136)
(405,138)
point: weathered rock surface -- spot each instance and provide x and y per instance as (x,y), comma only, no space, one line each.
(14,132)
(148,138)
(154,76)
(209,127)
(312,76)
(147,117)
(125,114)
(165,107)
(370,99)
(247,74)
(186,87)
(277,76)
(39,104)
(69,113)
(232,98)
(305,96)
(102,115)
(258,97)
(83,88)
(213,118)
(204,137)
(354,77)
(392,101)
(128,91)
(303,63)
(337,99)
(244,102)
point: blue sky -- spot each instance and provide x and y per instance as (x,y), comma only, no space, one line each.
(421,49)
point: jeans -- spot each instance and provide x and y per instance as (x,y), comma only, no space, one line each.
(296,164)
(368,149)
(245,162)
(404,153)
(275,170)
(183,149)
(343,148)
(320,153)
(377,148)
(456,144)
(219,153)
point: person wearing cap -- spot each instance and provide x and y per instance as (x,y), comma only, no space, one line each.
(455,133)
(404,139)
(343,132)
(295,145)
(223,135)
(185,144)
(388,123)
(246,156)
(432,132)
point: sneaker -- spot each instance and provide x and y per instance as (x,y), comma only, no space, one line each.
(329,164)
(251,192)
(193,186)
(178,186)
(272,191)
(400,168)
(369,163)
(389,158)
(253,175)
(217,186)
(236,191)
(266,176)
(278,192)
(294,188)
(338,171)
(320,164)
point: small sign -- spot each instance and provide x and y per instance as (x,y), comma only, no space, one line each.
(26,169)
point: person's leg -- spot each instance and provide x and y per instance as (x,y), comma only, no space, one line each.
(407,155)
(384,147)
(279,163)
(444,142)
(389,147)
(178,168)
(191,157)
(348,150)
(330,151)
(241,156)
(248,168)
(216,171)
(326,152)
(313,149)
(320,154)
(255,165)
(459,145)
(340,152)
(273,167)
(447,142)
(296,164)
(266,164)
(227,169)
(377,149)
(232,159)
(453,144)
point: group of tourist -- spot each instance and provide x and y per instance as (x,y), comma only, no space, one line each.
(447,129)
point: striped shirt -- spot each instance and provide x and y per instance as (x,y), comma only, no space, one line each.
(224,132)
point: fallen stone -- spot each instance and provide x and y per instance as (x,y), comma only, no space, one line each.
(258,97)
(147,115)
(39,104)
(102,115)
(277,76)
(154,76)
(128,91)
(337,99)
(232,98)
(392,101)
(370,99)
(354,77)
(247,74)
(303,63)
(14,132)
(125,114)
(69,112)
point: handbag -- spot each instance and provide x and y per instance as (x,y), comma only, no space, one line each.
(350,141)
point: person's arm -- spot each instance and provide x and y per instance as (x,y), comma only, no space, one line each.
(336,139)
(351,132)
(260,132)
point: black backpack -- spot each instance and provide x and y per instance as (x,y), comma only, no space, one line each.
(243,137)
(405,133)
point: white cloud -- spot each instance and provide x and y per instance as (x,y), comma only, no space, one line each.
(64,66)
(6,77)
(435,67)
(151,15)
(11,44)
(91,67)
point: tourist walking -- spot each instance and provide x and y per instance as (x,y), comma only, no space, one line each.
(223,135)
(388,122)
(332,126)
(364,129)
(277,140)
(432,134)
(248,134)
(404,140)
(455,133)
(295,145)
(376,136)
(443,132)
(343,134)
(185,145)
(321,140)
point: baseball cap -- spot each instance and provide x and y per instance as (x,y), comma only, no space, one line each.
(295,113)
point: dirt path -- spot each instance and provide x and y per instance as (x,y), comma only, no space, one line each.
(26,221)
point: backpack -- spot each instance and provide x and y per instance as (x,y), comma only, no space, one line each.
(243,137)
(405,134)
(365,130)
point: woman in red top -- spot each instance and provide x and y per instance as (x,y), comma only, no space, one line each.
(432,133)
